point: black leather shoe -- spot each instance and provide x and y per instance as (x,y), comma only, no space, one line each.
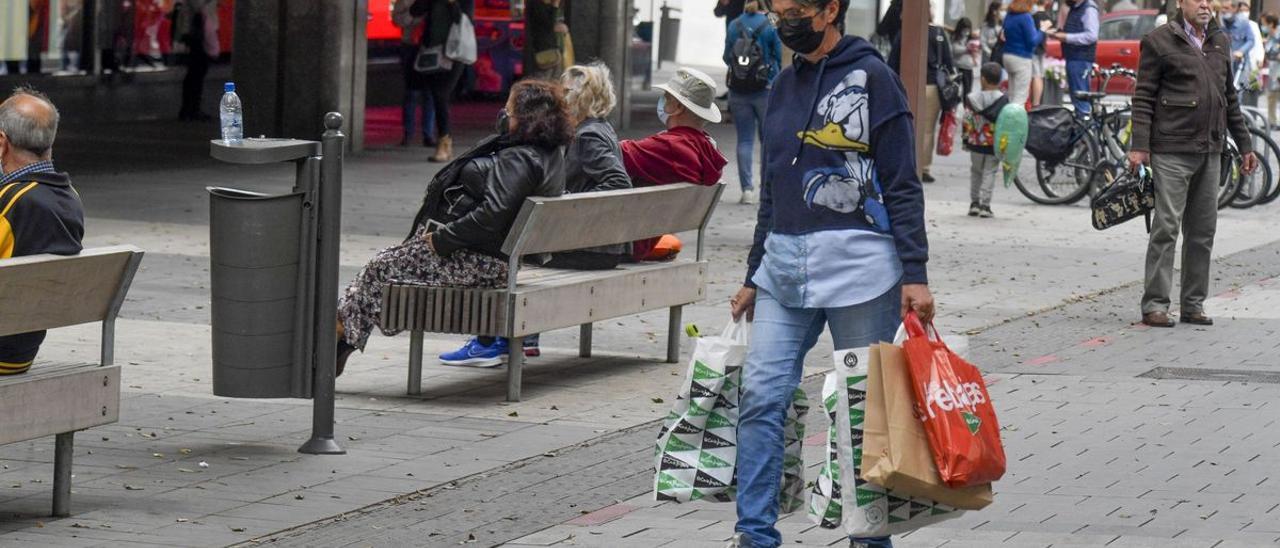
(344,351)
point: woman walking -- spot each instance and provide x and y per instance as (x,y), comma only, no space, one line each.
(1020,40)
(990,35)
(458,233)
(839,241)
(415,83)
(440,16)
(747,102)
(964,59)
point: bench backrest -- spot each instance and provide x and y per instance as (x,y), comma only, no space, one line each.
(547,225)
(47,291)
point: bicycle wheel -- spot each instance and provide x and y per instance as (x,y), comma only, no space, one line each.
(1062,183)
(1252,188)
(1268,152)
(1230,179)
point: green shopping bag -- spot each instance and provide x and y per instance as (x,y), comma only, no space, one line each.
(696,452)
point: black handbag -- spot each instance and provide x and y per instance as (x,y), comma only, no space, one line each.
(1131,195)
(950,90)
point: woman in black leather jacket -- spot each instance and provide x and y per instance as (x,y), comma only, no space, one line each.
(469,208)
(593,163)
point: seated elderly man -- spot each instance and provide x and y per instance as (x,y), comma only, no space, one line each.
(682,153)
(39,210)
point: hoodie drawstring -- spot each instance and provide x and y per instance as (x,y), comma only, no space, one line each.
(817,93)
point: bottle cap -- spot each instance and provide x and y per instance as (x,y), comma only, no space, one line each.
(229,87)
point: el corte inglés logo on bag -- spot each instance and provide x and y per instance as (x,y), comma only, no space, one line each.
(948,398)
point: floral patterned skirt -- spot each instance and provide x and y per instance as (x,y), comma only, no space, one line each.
(410,263)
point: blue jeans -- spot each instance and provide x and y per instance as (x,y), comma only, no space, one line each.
(1077,82)
(780,338)
(411,99)
(748,118)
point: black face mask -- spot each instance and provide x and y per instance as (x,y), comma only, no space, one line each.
(504,122)
(798,34)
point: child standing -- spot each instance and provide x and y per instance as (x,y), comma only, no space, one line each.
(982,108)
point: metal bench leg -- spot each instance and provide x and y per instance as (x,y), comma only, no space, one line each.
(415,363)
(64,446)
(515,366)
(673,335)
(584,341)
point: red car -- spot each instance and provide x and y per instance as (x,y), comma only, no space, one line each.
(1119,34)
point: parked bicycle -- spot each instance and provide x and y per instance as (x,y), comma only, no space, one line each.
(1095,151)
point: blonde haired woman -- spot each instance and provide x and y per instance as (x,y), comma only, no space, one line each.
(594,159)
(593,162)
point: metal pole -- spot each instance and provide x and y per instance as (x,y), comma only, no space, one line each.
(63,450)
(329,209)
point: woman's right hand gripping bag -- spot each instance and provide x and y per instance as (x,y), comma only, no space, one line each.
(840,497)
(956,409)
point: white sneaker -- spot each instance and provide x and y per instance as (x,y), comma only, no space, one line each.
(734,542)
(749,197)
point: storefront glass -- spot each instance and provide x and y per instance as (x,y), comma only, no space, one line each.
(50,36)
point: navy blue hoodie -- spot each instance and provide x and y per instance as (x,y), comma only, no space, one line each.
(840,154)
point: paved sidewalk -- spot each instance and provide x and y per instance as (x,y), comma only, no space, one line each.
(1117,435)
(141,483)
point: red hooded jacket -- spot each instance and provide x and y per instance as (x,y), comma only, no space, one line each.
(679,155)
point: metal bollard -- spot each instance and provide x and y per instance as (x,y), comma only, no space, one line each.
(329,210)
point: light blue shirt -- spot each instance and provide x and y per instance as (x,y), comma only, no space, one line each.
(829,268)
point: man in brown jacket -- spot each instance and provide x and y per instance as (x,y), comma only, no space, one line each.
(1184,108)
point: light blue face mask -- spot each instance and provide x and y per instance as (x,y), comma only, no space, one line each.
(662,110)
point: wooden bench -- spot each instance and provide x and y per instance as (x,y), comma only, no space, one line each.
(538,299)
(49,291)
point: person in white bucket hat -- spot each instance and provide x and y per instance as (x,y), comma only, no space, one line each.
(695,90)
(682,153)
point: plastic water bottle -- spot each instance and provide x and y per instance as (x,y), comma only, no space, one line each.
(232,115)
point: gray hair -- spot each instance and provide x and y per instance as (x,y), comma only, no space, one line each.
(34,134)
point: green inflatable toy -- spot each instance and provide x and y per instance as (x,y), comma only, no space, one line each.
(1011,139)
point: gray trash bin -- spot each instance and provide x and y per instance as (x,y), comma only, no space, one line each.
(258,265)
(261,264)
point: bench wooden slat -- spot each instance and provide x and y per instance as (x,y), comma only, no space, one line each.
(85,396)
(48,291)
(544,307)
(641,213)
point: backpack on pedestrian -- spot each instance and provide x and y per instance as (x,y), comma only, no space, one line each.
(749,71)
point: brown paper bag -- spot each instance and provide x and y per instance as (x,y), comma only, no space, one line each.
(895,448)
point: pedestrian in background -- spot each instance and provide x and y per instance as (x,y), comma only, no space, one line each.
(415,83)
(992,26)
(1021,37)
(1184,106)
(750,73)
(440,15)
(964,57)
(1043,14)
(839,241)
(983,108)
(1079,37)
(938,65)
(1271,29)
(1241,44)
(198,30)
(546,58)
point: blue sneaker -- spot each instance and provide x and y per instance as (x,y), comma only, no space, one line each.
(475,354)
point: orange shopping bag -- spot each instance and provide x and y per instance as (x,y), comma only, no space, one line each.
(952,400)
